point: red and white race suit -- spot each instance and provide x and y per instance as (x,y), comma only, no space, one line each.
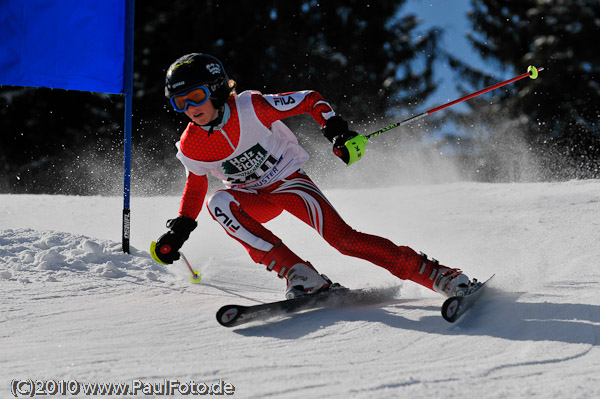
(259,160)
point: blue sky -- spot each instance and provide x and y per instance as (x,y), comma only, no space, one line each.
(450,15)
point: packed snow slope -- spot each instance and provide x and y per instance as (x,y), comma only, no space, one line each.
(73,307)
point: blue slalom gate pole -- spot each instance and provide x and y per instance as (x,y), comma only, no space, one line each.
(128,90)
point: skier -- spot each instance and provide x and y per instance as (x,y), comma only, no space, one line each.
(240,139)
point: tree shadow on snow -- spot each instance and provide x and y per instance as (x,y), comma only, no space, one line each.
(497,315)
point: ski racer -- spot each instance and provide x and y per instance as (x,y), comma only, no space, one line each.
(240,139)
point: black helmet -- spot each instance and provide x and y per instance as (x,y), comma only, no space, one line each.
(198,69)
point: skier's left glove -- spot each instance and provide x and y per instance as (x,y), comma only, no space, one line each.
(166,249)
(347,145)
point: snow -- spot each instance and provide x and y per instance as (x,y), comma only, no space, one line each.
(74,307)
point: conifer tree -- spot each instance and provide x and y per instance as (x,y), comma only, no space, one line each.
(556,115)
(365,57)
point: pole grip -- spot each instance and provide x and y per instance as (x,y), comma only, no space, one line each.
(356,148)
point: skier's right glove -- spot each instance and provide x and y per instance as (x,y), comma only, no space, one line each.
(166,249)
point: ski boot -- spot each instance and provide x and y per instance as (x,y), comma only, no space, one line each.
(451,282)
(441,279)
(302,278)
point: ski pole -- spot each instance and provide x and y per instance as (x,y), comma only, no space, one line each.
(356,145)
(195,276)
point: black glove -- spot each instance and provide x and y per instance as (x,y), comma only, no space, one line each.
(339,146)
(168,245)
(336,131)
(334,126)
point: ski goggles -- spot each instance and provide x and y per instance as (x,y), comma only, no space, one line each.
(194,96)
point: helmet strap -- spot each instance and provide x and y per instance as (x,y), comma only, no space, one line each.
(217,121)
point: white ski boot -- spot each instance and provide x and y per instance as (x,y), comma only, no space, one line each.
(303,279)
(441,279)
(451,282)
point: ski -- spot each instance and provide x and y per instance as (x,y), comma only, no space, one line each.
(456,306)
(235,315)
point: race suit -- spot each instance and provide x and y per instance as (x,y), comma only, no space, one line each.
(259,160)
